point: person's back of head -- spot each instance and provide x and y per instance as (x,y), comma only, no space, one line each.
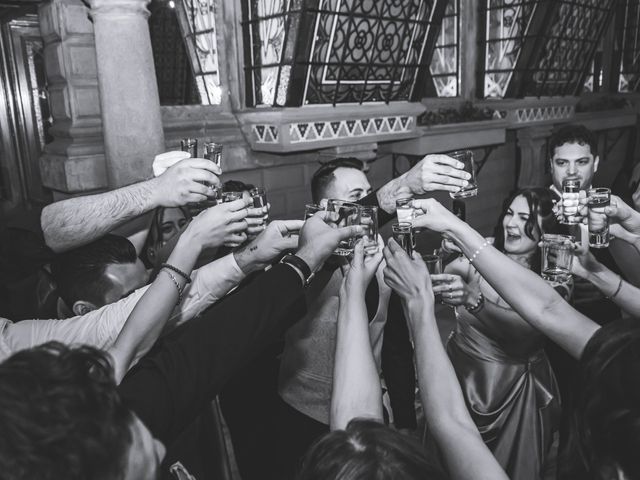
(98,273)
(367,450)
(606,413)
(324,176)
(61,417)
(237,186)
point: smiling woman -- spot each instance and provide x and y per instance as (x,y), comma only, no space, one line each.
(504,373)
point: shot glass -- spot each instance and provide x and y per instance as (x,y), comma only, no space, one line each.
(189,145)
(570,191)
(404,210)
(557,255)
(369,221)
(403,235)
(466,157)
(434,265)
(348,214)
(599,198)
(310,209)
(231,196)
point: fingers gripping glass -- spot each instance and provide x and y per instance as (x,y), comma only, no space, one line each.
(348,214)
(368,217)
(557,255)
(599,198)
(466,157)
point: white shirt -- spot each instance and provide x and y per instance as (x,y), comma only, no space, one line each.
(101,327)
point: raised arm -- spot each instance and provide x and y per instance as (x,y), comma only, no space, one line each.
(212,228)
(612,285)
(433,172)
(168,389)
(533,298)
(356,383)
(77,221)
(466,455)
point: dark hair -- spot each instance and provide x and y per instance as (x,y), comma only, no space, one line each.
(572,133)
(540,201)
(606,413)
(236,186)
(61,416)
(367,450)
(323,176)
(79,273)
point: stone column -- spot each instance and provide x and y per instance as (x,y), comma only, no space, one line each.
(74,162)
(532,142)
(129,100)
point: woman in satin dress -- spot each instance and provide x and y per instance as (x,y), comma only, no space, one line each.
(504,372)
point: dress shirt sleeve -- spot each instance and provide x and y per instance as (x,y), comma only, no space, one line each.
(208,285)
(169,387)
(99,328)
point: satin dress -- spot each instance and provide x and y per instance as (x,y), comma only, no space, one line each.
(514,402)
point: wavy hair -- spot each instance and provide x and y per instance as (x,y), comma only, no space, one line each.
(540,201)
(61,416)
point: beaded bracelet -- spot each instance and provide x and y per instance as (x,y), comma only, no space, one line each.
(475,308)
(186,277)
(477,252)
(610,297)
(175,282)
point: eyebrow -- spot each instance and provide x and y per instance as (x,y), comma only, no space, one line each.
(566,159)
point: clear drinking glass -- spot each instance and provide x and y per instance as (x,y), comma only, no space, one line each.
(310,209)
(570,191)
(231,196)
(213,152)
(599,198)
(434,265)
(369,222)
(403,235)
(557,255)
(348,214)
(190,145)
(466,157)
(404,210)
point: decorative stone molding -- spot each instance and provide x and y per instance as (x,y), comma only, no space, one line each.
(524,112)
(443,138)
(542,114)
(320,127)
(119,7)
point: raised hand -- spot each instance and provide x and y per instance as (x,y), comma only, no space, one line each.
(279,236)
(256,219)
(437,172)
(433,216)
(223,224)
(621,213)
(454,290)
(584,263)
(318,239)
(408,276)
(187,181)
(362,269)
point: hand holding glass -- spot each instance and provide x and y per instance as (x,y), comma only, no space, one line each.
(599,198)
(348,214)
(466,157)
(557,255)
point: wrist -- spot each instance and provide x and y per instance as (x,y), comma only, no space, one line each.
(191,240)
(246,260)
(310,258)
(151,196)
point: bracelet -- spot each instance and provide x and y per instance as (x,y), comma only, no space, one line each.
(175,282)
(477,252)
(186,277)
(476,307)
(611,297)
